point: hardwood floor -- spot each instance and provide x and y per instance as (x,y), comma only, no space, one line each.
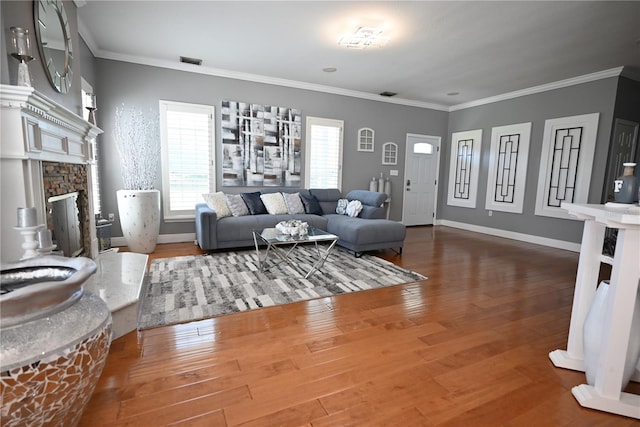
(468,346)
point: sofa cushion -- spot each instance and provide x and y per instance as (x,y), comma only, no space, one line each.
(371,198)
(218,202)
(237,205)
(294,204)
(275,204)
(361,232)
(254,203)
(311,204)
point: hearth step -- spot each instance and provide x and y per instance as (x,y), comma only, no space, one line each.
(118,281)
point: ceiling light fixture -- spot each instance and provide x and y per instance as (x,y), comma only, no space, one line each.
(363,38)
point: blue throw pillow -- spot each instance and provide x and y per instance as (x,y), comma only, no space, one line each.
(254,203)
(311,204)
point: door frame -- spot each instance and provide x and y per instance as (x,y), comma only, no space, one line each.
(406,157)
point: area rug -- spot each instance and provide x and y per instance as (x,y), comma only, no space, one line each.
(188,288)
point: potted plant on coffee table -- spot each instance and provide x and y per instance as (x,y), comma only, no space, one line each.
(138,144)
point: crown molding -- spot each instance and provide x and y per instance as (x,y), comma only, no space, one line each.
(613,72)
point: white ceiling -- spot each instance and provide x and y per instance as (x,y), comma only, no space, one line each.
(479,49)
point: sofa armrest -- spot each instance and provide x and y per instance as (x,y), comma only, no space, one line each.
(206,229)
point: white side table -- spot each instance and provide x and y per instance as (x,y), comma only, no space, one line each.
(605,395)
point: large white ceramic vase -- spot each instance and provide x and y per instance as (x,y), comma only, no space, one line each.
(139,212)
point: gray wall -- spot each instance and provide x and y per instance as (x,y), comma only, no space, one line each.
(143,86)
(20,14)
(594,97)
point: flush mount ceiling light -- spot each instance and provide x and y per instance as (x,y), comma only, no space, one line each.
(363,38)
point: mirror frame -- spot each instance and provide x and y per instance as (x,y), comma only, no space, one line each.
(60,79)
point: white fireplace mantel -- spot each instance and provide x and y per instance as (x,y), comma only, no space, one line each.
(36,129)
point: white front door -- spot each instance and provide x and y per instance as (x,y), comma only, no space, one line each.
(420,179)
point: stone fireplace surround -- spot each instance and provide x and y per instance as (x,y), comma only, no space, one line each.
(40,137)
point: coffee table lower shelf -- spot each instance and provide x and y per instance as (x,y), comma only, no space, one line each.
(276,241)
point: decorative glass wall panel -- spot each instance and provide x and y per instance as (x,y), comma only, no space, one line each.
(568,148)
(508,167)
(464,167)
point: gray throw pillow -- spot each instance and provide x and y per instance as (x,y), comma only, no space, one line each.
(294,204)
(237,205)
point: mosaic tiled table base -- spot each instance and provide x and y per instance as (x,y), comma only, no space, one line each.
(54,392)
(51,365)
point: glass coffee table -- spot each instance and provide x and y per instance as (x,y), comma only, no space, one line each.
(282,245)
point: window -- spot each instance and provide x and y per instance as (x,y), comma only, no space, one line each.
(323,165)
(422,148)
(94,169)
(389,153)
(188,157)
(365,139)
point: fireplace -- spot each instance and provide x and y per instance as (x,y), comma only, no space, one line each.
(66,192)
(46,150)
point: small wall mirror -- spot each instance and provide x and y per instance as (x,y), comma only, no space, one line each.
(54,41)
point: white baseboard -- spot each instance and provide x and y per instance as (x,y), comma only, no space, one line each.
(163,238)
(529,238)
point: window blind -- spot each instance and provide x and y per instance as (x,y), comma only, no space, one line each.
(188,154)
(324,153)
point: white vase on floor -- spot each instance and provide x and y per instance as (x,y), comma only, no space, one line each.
(139,212)
(593,334)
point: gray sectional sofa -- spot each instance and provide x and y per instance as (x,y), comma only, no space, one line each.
(367,232)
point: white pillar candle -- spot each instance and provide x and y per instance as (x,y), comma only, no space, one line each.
(27,217)
(44,238)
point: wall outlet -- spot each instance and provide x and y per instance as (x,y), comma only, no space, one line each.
(112,217)
(393,172)
(490,213)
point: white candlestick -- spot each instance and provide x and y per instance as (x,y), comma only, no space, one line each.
(27,217)
(44,238)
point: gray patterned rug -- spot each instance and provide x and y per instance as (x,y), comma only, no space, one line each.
(187,288)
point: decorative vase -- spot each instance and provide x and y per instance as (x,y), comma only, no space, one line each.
(373,185)
(381,184)
(387,187)
(625,188)
(593,334)
(140,218)
(55,341)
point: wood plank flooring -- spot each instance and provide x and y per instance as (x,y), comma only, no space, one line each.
(468,346)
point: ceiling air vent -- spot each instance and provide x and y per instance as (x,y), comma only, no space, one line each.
(388,94)
(193,61)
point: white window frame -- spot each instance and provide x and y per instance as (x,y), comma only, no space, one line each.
(389,153)
(366,142)
(318,121)
(183,215)
(94,166)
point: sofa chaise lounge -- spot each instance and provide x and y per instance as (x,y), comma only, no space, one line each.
(366,232)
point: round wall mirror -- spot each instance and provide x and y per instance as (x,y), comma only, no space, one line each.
(54,41)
